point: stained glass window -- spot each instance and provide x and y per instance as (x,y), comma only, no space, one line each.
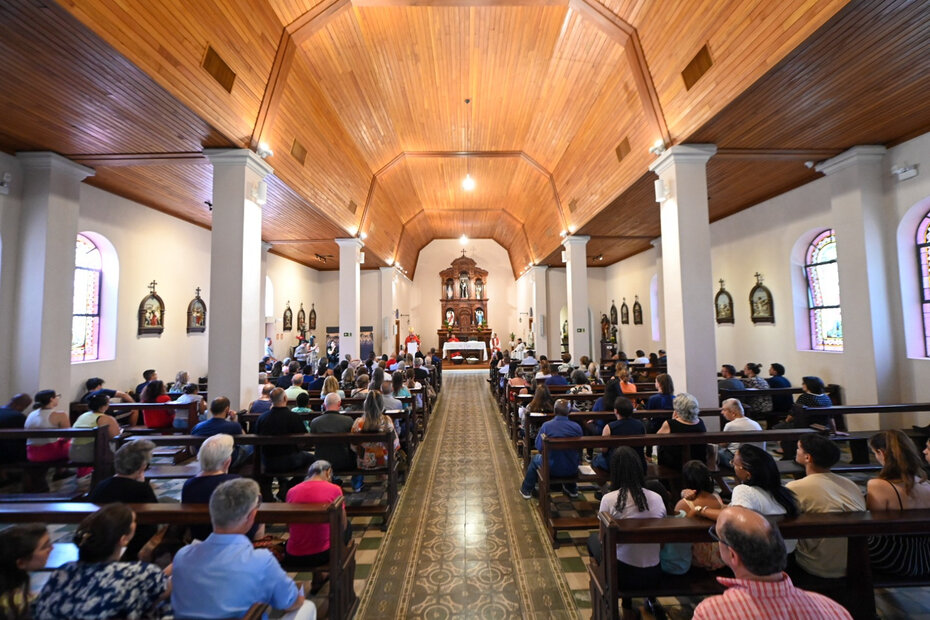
(823,293)
(85,319)
(923,258)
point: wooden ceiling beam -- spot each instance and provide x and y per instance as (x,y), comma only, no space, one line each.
(116,160)
(483,154)
(316,19)
(298,241)
(274,89)
(776,154)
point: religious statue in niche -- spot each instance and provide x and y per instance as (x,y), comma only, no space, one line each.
(613,312)
(301,320)
(312,317)
(605,328)
(450,289)
(463,286)
(152,312)
(288,320)
(637,312)
(565,332)
(624,313)
(479,289)
(196,314)
(723,305)
(761,304)
(479,316)
(450,317)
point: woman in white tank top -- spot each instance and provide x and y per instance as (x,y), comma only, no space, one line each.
(46,415)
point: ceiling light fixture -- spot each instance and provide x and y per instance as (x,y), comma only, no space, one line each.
(463,239)
(264,151)
(468,183)
(658,147)
(362,236)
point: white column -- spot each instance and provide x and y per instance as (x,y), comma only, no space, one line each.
(686,272)
(388,287)
(576,284)
(657,244)
(856,210)
(261,301)
(44,300)
(538,302)
(235,274)
(350,278)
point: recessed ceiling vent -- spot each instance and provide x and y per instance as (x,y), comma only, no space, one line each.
(298,152)
(697,67)
(623,149)
(353,207)
(218,68)
(572,205)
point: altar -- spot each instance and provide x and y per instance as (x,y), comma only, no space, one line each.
(449,347)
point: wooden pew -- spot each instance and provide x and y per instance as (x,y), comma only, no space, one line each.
(857,588)
(409,442)
(535,420)
(384,510)
(342,599)
(681,440)
(102,461)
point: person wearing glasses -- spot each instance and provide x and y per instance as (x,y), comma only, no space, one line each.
(755,550)
(224,575)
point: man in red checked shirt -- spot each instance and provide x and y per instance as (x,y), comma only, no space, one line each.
(760,589)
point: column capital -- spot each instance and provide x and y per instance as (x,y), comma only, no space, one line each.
(683,154)
(47,160)
(863,154)
(576,240)
(239,157)
(266,247)
(349,242)
(656,243)
(386,269)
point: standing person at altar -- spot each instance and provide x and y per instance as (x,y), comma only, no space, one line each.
(453,338)
(495,343)
(411,338)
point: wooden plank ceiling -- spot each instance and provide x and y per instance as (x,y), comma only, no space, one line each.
(364,104)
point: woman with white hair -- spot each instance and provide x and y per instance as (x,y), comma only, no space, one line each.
(685,419)
(215,456)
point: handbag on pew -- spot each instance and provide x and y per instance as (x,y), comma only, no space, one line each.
(272,544)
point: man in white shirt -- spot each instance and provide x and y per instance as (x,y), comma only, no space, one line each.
(641,357)
(732,410)
(823,491)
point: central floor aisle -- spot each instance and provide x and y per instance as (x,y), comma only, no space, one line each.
(463,543)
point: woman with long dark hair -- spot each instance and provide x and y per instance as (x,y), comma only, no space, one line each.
(760,488)
(23,548)
(900,485)
(629,499)
(664,400)
(155,392)
(98,586)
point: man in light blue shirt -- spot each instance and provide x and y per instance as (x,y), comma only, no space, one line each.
(224,575)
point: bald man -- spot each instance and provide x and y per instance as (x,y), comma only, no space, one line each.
(754,549)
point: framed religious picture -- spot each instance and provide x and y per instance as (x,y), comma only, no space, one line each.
(723,305)
(152,312)
(196,314)
(624,313)
(312,318)
(613,312)
(637,312)
(301,320)
(761,304)
(288,318)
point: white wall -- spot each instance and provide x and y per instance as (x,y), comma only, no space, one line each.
(298,284)
(425,290)
(628,279)
(150,246)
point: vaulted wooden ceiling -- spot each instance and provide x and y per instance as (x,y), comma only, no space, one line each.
(364,104)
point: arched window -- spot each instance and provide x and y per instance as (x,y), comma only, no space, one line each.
(923,268)
(85,320)
(823,293)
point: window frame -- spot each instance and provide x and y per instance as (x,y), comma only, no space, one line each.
(99,314)
(923,272)
(816,245)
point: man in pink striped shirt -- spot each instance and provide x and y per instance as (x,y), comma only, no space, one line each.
(755,550)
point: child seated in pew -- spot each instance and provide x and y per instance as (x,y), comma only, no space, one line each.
(303,402)
(695,475)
